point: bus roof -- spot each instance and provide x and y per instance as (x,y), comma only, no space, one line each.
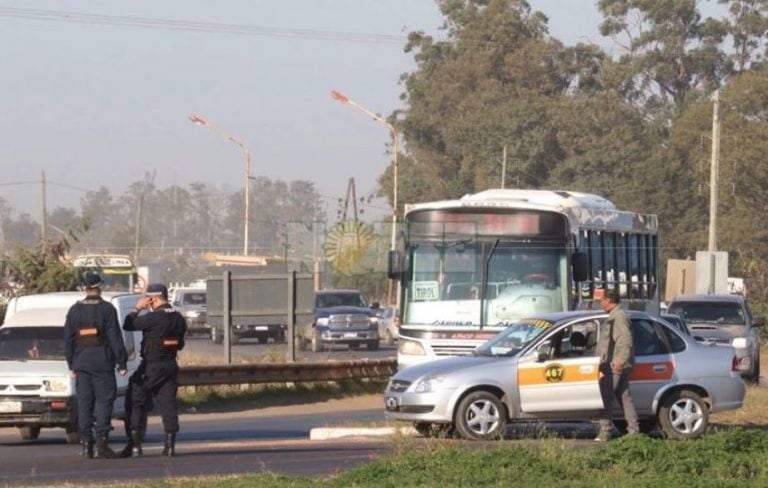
(584,210)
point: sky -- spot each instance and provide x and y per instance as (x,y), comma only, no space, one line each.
(104,99)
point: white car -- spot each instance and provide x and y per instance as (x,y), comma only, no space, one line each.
(35,388)
(545,369)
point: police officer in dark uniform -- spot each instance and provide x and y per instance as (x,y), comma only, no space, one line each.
(94,347)
(163,336)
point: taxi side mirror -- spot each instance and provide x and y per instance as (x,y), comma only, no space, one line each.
(542,352)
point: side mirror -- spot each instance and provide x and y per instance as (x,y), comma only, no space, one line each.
(580,266)
(758,321)
(394,265)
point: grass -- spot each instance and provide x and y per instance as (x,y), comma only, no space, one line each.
(733,458)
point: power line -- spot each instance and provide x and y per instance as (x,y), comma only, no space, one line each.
(204,27)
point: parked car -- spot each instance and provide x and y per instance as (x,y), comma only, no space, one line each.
(191,303)
(35,388)
(342,317)
(724,320)
(678,322)
(545,369)
(389,324)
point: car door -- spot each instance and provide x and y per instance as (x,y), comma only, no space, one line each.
(565,377)
(654,362)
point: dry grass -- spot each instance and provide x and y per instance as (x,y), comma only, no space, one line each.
(275,354)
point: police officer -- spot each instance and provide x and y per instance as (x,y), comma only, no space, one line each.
(94,347)
(163,336)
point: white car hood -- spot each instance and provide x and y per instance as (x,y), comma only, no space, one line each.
(33,368)
(441,366)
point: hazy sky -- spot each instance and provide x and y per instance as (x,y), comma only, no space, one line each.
(96,104)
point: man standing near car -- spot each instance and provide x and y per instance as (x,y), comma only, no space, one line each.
(163,336)
(94,347)
(616,350)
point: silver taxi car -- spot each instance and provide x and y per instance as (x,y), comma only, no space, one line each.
(545,369)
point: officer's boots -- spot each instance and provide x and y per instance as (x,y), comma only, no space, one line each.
(103,451)
(133,447)
(169,449)
(86,448)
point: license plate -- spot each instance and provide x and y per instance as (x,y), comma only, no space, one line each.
(350,334)
(261,327)
(10,407)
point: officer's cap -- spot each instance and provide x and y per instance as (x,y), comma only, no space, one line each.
(92,280)
(157,290)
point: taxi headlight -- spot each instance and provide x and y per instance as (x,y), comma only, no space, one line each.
(59,385)
(740,342)
(410,348)
(322,321)
(428,384)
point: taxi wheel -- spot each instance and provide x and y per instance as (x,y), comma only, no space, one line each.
(481,416)
(683,415)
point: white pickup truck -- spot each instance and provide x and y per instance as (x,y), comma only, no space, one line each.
(35,388)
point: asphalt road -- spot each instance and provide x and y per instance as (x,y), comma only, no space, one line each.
(272,440)
(201,350)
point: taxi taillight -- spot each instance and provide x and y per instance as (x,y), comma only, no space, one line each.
(735,364)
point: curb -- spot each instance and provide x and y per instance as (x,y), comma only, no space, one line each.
(328,433)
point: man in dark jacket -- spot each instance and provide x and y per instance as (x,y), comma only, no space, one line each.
(163,336)
(94,347)
(617,358)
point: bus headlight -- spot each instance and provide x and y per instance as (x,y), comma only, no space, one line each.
(740,343)
(410,348)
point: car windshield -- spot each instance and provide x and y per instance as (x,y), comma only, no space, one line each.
(723,313)
(31,343)
(328,300)
(193,299)
(514,338)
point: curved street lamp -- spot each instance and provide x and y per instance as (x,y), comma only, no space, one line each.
(197,120)
(341,98)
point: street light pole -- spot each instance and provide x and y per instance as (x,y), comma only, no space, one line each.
(197,120)
(339,97)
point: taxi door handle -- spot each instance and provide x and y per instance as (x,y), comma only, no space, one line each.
(659,368)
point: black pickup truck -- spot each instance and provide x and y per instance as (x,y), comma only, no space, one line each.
(342,317)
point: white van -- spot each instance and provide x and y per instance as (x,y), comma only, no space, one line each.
(35,388)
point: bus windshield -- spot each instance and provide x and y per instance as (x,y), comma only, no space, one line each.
(448,280)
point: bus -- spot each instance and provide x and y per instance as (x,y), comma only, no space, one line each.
(467,268)
(117,270)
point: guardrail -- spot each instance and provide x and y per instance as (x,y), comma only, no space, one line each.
(236,374)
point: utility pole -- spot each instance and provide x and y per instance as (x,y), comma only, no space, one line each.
(137,234)
(44,219)
(713,187)
(504,166)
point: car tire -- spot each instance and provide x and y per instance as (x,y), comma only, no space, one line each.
(683,415)
(373,346)
(262,339)
(29,432)
(481,416)
(317,345)
(755,378)
(433,430)
(388,338)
